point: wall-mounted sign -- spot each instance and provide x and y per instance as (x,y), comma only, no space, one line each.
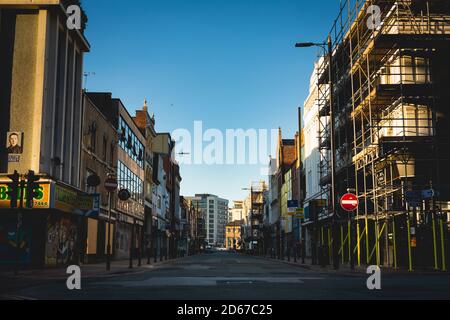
(41,201)
(70,201)
(13,158)
(14,142)
(292,206)
(124,195)
(111,184)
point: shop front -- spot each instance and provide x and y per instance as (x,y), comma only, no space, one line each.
(51,234)
(129,230)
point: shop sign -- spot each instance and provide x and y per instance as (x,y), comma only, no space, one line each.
(71,201)
(41,201)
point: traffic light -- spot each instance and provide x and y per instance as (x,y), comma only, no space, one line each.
(13,189)
(32,188)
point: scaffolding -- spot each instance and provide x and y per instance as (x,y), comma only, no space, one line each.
(392,144)
(256,216)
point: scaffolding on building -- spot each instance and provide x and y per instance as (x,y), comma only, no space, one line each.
(255,229)
(391,145)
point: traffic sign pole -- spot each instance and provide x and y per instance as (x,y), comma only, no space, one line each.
(108,247)
(111,186)
(19,226)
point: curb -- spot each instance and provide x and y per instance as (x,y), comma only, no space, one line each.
(358,270)
(101,273)
(16,283)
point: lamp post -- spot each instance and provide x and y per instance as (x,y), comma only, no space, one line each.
(333,147)
(108,246)
(110,186)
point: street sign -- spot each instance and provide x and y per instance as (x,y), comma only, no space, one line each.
(111,184)
(292,206)
(430,194)
(349,202)
(413,196)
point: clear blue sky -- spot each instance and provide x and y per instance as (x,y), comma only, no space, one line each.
(229,63)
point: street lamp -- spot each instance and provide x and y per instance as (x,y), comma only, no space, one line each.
(333,153)
(309,44)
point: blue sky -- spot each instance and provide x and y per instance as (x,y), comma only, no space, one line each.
(229,63)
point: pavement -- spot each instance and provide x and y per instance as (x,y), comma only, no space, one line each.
(346,269)
(35,277)
(223,276)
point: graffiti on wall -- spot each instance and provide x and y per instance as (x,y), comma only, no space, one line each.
(61,241)
(8,244)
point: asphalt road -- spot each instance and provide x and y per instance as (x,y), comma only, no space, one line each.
(227,276)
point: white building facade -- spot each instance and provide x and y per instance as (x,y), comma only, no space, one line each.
(314,193)
(216,217)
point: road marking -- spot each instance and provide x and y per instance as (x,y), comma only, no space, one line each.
(196,267)
(15,297)
(206,281)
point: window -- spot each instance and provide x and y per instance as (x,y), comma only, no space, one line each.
(105,148)
(130,143)
(128,180)
(112,149)
(309,178)
(87,188)
(93,130)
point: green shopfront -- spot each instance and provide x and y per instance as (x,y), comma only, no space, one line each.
(51,234)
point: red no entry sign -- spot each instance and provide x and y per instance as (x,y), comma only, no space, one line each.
(111,184)
(349,202)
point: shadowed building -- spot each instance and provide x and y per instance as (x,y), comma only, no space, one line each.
(99,159)
(41,64)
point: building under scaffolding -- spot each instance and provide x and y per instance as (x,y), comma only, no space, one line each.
(254,205)
(390,71)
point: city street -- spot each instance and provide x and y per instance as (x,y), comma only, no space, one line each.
(170,150)
(228,276)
